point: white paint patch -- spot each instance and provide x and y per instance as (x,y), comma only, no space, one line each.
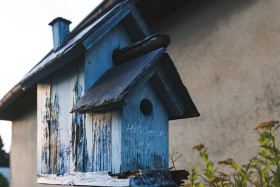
(83,179)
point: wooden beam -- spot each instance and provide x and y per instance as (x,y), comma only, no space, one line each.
(143,47)
(83,179)
(167,93)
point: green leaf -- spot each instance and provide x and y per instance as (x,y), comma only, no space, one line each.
(204,156)
(209,165)
(262,153)
(276,176)
(195,167)
(272,160)
(234,165)
(194,176)
(267,135)
(267,167)
(262,162)
(269,148)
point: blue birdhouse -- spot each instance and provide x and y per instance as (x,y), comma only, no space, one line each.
(105,94)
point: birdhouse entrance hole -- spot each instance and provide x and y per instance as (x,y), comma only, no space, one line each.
(146,107)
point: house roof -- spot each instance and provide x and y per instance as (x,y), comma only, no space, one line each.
(115,87)
(89,31)
(86,36)
(117,82)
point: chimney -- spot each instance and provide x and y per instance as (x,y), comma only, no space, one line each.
(60,29)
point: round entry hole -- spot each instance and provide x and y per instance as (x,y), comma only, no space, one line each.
(146,107)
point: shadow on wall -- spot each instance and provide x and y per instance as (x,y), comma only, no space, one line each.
(201,15)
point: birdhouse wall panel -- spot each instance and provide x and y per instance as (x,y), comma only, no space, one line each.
(98,59)
(144,132)
(58,134)
(103,141)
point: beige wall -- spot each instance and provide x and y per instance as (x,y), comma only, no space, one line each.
(23,151)
(228,55)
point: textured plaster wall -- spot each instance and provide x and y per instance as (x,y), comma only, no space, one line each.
(24,151)
(228,55)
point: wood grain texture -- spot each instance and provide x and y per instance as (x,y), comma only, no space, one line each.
(102,154)
(56,96)
(117,83)
(60,31)
(106,25)
(83,179)
(167,93)
(98,59)
(144,137)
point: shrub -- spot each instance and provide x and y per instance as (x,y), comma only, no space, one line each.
(3,181)
(263,170)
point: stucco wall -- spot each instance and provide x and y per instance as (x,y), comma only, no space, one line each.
(228,55)
(24,151)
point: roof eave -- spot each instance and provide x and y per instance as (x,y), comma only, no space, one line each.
(68,52)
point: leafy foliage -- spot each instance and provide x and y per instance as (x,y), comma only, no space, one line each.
(3,181)
(263,170)
(4,157)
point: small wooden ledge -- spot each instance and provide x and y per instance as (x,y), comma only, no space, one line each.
(82,179)
(136,178)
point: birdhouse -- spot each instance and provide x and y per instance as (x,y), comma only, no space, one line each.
(105,94)
(129,107)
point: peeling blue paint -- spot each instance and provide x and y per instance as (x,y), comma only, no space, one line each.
(144,137)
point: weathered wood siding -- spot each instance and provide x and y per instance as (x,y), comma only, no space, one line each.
(60,134)
(103,141)
(98,59)
(74,142)
(144,137)
(103,134)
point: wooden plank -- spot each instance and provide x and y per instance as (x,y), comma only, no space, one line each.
(83,179)
(43,95)
(78,121)
(116,140)
(167,93)
(144,137)
(103,141)
(89,136)
(135,25)
(57,95)
(98,59)
(140,48)
(102,130)
(106,27)
(117,83)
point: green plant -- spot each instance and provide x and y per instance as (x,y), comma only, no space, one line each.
(4,157)
(3,181)
(263,170)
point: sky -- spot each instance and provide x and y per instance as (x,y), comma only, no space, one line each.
(26,38)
